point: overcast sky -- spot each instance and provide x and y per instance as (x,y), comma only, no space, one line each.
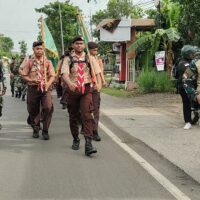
(18,18)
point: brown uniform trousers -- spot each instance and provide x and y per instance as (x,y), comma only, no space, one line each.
(64,96)
(37,103)
(77,102)
(96,104)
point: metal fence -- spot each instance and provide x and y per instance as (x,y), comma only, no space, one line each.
(130,71)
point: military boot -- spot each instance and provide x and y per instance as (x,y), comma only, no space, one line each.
(23,97)
(76,143)
(96,136)
(45,135)
(89,149)
(35,132)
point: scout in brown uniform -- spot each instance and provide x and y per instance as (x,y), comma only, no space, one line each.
(39,90)
(76,73)
(96,62)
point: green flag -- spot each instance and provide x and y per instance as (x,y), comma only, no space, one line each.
(81,28)
(51,50)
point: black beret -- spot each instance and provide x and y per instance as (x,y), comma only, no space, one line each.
(93,45)
(38,43)
(78,38)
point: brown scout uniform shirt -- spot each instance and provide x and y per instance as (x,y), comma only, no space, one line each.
(30,69)
(73,73)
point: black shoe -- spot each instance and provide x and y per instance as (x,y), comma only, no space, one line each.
(195,119)
(64,106)
(76,143)
(12,94)
(28,120)
(89,149)
(81,131)
(96,136)
(45,135)
(35,133)
(23,98)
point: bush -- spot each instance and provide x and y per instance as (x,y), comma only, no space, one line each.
(163,82)
(152,81)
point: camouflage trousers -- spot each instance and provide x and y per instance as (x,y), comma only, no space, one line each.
(1,105)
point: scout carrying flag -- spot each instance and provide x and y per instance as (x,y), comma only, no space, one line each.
(82,30)
(49,44)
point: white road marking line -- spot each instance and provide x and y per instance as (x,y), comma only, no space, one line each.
(170,187)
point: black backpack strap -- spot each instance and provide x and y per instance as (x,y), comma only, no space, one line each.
(72,61)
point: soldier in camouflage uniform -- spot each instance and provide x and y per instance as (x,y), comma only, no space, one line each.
(20,85)
(2,87)
(11,68)
(187,81)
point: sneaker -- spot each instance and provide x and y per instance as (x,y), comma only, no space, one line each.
(187,126)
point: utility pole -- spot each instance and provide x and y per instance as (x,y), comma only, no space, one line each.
(61,29)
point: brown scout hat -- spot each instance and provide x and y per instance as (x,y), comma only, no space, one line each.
(93,45)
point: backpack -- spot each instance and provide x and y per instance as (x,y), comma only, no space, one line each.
(86,61)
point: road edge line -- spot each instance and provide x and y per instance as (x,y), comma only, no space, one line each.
(169,186)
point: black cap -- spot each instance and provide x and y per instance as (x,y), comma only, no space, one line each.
(37,43)
(78,38)
(93,45)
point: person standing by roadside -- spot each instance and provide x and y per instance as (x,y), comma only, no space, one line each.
(39,74)
(186,64)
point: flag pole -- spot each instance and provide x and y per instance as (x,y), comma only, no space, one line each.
(43,44)
(89,56)
(61,28)
(86,31)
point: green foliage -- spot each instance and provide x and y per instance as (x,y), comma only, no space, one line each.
(152,81)
(69,13)
(115,10)
(23,47)
(149,43)
(6,46)
(163,82)
(116,92)
(189,21)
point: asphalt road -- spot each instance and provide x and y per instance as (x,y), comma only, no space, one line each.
(33,169)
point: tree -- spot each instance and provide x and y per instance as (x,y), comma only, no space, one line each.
(6,46)
(23,47)
(69,13)
(189,21)
(115,9)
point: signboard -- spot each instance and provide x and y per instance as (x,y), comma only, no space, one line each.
(160,60)
(121,34)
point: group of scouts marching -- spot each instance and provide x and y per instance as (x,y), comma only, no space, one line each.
(81,77)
